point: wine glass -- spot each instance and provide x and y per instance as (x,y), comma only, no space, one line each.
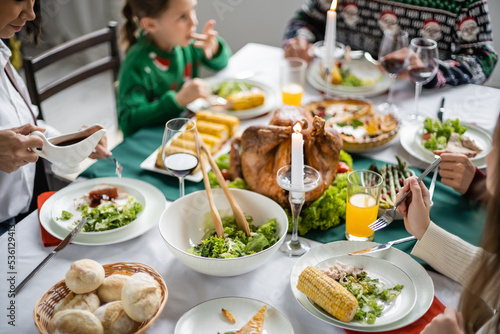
(292,246)
(392,57)
(177,154)
(422,62)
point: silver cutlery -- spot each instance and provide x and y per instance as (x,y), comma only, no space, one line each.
(388,217)
(382,247)
(59,247)
(441,110)
(119,167)
(433,182)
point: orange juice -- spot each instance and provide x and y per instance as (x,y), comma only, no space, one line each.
(361,211)
(292,94)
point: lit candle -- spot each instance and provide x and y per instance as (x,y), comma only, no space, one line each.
(297,157)
(330,35)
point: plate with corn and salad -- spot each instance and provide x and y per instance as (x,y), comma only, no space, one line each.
(401,280)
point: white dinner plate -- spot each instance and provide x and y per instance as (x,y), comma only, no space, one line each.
(362,68)
(67,203)
(154,205)
(207,317)
(150,164)
(270,99)
(421,281)
(411,140)
(388,274)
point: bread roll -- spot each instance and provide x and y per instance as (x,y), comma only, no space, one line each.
(84,276)
(87,301)
(111,289)
(141,297)
(75,321)
(114,320)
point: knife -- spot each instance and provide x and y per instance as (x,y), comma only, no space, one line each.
(441,110)
(59,247)
(382,247)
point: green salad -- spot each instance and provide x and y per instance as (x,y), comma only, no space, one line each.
(235,242)
(228,87)
(106,216)
(369,292)
(436,133)
(326,212)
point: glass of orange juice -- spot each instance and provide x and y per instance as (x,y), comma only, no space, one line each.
(363,196)
(292,80)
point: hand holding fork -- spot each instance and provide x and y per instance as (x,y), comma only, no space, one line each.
(388,217)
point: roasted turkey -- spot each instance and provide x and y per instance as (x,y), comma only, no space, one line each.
(263,149)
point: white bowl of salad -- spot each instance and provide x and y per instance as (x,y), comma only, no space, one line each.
(188,230)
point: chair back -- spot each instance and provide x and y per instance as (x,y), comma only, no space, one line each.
(38,94)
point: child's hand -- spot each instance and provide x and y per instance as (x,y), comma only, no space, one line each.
(191,90)
(207,41)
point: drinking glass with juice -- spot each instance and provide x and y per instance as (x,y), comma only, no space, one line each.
(292,80)
(363,196)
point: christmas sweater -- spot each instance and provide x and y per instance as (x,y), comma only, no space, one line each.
(150,77)
(461,29)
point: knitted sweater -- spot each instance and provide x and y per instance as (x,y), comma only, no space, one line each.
(150,78)
(456,259)
(461,29)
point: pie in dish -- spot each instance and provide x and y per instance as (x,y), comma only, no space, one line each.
(360,125)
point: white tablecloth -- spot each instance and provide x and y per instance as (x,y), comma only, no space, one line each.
(187,288)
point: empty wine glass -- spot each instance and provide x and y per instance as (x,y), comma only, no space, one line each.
(178,156)
(392,57)
(422,62)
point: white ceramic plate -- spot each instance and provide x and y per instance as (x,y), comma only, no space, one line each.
(411,134)
(362,68)
(207,317)
(67,203)
(388,274)
(421,280)
(150,164)
(270,99)
(154,205)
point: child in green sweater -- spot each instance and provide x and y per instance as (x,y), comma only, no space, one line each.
(158,76)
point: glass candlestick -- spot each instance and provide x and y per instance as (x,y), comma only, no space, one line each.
(292,246)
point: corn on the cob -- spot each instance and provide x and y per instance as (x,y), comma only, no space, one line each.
(328,293)
(213,129)
(246,100)
(232,123)
(210,141)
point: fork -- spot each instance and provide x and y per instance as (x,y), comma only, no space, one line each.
(389,215)
(119,167)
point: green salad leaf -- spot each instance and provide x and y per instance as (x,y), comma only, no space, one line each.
(235,242)
(108,215)
(440,132)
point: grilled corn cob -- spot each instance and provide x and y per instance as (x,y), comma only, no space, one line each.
(213,129)
(246,100)
(232,123)
(328,293)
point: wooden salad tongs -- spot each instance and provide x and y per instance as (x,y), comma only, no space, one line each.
(237,212)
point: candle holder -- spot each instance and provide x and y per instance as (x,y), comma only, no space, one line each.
(292,246)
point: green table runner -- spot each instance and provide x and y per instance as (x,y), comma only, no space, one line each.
(451,211)
(131,153)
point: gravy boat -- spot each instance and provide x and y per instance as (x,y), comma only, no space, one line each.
(66,152)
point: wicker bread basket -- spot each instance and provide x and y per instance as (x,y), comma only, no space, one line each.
(44,308)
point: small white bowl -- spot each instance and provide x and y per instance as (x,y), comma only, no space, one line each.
(181,225)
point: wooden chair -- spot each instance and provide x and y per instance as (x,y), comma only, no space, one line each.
(34,64)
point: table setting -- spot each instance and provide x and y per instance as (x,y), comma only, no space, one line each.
(172,209)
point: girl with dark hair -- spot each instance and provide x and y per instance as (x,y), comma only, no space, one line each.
(158,75)
(477,269)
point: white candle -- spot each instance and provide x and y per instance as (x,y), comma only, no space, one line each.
(297,158)
(330,36)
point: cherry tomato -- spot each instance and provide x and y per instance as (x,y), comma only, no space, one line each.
(343,167)
(226,175)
